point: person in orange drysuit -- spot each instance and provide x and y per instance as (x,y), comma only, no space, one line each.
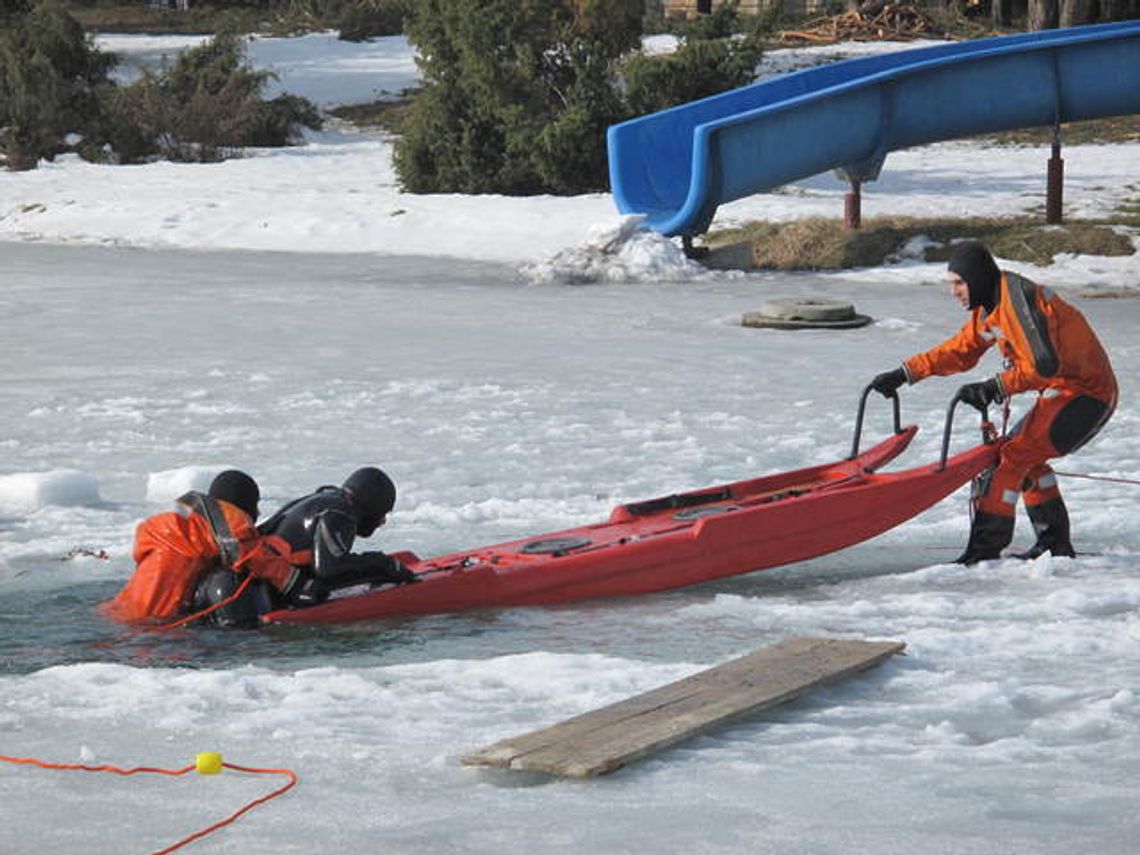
(1049,348)
(198,555)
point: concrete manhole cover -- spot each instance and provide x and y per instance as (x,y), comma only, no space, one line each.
(805,314)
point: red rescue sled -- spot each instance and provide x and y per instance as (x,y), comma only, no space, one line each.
(680,539)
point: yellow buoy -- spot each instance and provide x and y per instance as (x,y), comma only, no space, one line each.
(209,763)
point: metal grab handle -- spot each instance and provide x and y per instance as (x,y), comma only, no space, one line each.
(986,434)
(859,418)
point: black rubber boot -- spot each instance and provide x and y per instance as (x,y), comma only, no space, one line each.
(1051,523)
(989,535)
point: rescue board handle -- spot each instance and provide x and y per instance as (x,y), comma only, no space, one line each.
(859,418)
(987,429)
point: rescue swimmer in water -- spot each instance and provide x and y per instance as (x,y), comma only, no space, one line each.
(1049,348)
(200,556)
(320,529)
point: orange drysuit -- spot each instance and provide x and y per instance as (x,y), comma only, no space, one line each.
(175,550)
(1049,348)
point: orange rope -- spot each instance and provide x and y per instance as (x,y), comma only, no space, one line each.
(288,785)
(289,773)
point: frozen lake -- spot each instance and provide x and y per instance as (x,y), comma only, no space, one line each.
(504,408)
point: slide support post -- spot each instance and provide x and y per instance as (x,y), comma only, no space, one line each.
(1054,181)
(852,205)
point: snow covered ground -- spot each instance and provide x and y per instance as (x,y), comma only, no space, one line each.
(294,314)
(339,194)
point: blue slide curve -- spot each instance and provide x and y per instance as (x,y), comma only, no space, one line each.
(678,165)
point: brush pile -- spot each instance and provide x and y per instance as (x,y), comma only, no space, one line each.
(870,22)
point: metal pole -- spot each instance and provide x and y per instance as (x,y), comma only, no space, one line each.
(1055,181)
(694,252)
(852,206)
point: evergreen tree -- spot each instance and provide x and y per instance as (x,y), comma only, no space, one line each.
(517,94)
(53,83)
(49,77)
(206,104)
(11,8)
(713,57)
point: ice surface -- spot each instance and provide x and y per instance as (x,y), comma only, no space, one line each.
(506,403)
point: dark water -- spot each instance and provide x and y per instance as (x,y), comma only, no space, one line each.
(44,628)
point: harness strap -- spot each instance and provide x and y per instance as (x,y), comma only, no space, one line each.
(1023,298)
(229,550)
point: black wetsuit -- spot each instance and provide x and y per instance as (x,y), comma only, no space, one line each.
(325,522)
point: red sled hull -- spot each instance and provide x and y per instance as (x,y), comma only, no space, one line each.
(673,541)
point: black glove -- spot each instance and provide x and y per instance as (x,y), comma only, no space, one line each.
(981,395)
(887,383)
(401,575)
(387,569)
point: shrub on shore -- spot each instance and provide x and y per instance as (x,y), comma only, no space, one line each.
(203,108)
(56,96)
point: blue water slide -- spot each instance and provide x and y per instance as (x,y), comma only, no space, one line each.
(678,165)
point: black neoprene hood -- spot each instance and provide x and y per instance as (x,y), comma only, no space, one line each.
(237,488)
(973,263)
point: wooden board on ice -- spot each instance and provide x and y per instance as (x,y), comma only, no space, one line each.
(610,737)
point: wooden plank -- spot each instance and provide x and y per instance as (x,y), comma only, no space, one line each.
(610,737)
